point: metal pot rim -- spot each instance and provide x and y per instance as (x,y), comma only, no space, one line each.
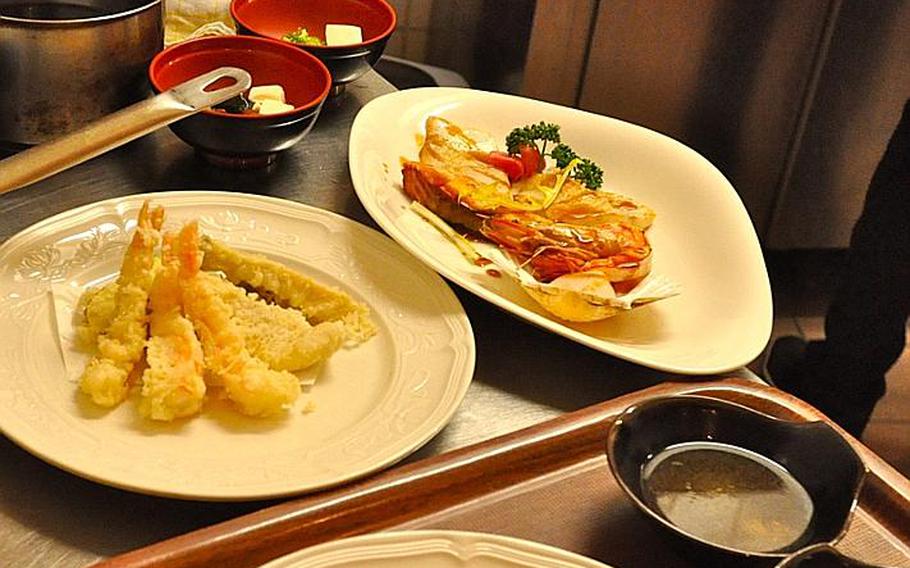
(80,21)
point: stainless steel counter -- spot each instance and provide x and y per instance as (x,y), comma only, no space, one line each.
(523,375)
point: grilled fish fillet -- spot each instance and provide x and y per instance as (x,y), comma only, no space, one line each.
(452,180)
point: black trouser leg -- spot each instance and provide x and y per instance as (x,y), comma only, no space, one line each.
(865,326)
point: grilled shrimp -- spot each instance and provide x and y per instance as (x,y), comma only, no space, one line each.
(551,249)
(172,385)
(121,345)
(256,389)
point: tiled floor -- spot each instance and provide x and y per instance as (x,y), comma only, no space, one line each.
(802,284)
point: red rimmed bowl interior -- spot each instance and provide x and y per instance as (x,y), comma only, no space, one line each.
(245,140)
(275,18)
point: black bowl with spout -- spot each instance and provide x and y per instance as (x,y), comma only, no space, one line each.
(822,556)
(732,482)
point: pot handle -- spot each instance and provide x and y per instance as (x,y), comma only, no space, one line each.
(45,160)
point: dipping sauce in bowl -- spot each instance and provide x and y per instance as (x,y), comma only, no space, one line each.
(728,495)
(730,483)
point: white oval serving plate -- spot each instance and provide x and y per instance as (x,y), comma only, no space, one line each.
(703,238)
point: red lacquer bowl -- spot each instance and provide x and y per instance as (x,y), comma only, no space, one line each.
(245,140)
(275,18)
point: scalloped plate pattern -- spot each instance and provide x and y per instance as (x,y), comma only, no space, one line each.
(433,549)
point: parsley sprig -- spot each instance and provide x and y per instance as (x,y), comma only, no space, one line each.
(585,171)
(529,135)
(588,173)
(563,155)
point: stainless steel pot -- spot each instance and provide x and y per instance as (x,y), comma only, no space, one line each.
(66,63)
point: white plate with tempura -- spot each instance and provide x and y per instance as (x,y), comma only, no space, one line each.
(222,346)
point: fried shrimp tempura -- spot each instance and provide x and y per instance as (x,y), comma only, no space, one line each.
(120,347)
(172,385)
(248,381)
(288,288)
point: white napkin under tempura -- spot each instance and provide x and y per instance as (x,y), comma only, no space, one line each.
(64,300)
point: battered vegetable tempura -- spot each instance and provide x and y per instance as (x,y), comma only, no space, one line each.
(281,337)
(121,346)
(98,307)
(248,381)
(172,385)
(285,287)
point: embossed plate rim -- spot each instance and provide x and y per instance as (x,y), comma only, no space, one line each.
(464,547)
(449,350)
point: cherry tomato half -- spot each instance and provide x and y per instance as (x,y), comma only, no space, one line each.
(512,166)
(530,159)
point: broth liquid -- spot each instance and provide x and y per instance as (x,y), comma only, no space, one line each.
(728,496)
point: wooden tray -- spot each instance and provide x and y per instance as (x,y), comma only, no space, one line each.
(549,483)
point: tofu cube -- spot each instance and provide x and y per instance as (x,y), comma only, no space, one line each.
(267,93)
(342,34)
(269,106)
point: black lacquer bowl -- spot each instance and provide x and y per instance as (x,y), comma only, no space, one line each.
(276,18)
(812,454)
(245,140)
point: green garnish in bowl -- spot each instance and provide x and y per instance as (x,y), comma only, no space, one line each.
(301,36)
